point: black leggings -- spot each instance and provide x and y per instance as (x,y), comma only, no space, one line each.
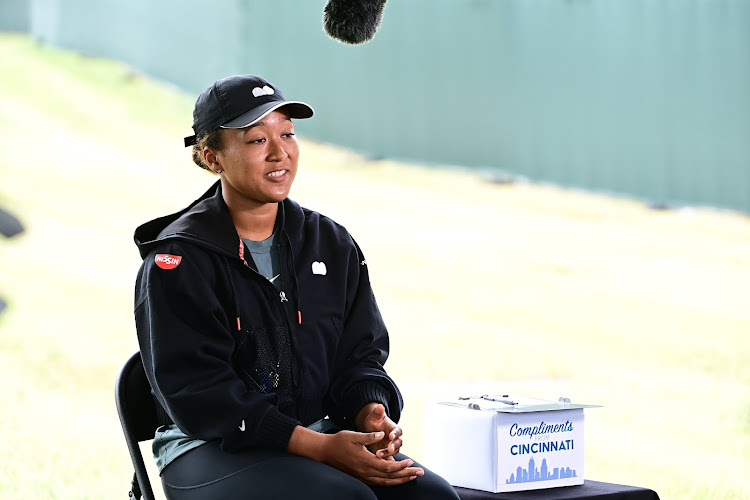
(206,472)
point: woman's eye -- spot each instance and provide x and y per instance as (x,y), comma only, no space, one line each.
(290,134)
(256,141)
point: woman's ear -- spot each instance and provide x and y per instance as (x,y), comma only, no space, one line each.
(210,158)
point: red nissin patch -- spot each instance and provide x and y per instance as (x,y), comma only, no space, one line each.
(166,261)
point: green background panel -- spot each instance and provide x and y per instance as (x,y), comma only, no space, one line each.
(649,98)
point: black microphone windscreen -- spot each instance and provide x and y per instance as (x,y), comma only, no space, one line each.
(352,21)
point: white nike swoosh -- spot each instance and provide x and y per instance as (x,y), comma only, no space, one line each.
(271,279)
(242,426)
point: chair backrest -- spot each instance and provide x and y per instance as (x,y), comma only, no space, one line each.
(138,417)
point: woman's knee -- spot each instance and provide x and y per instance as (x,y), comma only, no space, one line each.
(427,487)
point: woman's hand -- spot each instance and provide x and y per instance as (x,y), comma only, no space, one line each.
(347,451)
(372,418)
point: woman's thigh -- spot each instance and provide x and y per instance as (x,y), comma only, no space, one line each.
(207,472)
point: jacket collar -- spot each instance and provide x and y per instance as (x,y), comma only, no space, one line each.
(207,222)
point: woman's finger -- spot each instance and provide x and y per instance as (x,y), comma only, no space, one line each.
(389,466)
(395,433)
(400,477)
(368,438)
(391,449)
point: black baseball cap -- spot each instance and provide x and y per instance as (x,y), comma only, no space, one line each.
(239,101)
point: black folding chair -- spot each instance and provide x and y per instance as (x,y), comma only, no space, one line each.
(138,418)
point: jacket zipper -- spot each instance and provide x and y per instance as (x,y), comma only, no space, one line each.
(287,313)
(300,376)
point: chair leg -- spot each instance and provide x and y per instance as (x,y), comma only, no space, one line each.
(135,489)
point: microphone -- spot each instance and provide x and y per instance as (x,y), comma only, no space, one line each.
(352,21)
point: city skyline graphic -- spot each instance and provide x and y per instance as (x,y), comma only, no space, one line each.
(544,474)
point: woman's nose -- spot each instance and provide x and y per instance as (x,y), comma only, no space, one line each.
(276,151)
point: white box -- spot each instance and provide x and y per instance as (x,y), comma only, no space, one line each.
(503,443)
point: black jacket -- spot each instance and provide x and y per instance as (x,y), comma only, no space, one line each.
(232,359)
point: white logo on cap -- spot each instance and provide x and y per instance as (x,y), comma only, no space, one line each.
(266,90)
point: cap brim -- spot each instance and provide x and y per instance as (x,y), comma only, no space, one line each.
(296,109)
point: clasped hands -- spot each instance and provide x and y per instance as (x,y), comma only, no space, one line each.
(367,455)
(372,451)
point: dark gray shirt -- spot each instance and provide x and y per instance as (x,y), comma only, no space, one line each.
(266,257)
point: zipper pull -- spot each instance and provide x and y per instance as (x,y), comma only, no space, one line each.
(242,253)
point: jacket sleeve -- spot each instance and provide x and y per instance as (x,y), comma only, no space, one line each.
(186,342)
(360,377)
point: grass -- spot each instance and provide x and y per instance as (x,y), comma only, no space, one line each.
(522,288)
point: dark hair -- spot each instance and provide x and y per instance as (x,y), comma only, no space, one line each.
(211,140)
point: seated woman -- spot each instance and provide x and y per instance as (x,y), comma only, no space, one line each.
(259,331)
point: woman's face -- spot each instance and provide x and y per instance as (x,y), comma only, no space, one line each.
(259,162)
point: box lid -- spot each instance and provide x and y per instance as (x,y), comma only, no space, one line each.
(506,403)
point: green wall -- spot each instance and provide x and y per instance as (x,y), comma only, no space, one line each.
(649,98)
(14,15)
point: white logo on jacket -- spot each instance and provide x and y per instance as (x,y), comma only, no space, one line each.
(319,268)
(242,426)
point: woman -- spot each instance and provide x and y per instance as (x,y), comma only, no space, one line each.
(259,331)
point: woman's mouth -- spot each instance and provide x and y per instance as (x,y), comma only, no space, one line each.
(276,173)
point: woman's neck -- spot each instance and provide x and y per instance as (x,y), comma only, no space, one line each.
(254,223)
